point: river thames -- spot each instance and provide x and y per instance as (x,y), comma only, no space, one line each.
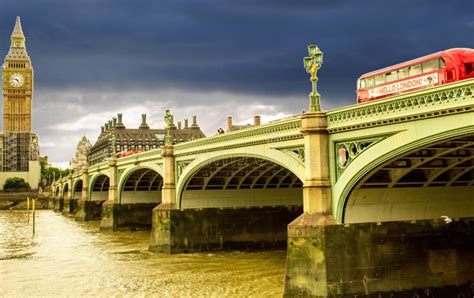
(69,258)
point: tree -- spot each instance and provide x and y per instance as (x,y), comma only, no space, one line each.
(49,174)
(16,183)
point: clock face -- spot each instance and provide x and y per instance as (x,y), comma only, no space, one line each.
(16,80)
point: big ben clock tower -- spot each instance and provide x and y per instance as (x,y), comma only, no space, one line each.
(17,83)
(20,144)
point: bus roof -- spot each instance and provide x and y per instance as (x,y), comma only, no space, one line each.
(454,51)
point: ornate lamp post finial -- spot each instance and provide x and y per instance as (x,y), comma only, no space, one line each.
(168,125)
(312,64)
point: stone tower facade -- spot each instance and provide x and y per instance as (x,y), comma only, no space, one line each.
(17,85)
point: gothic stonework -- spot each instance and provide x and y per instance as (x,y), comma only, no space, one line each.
(347,151)
(80,160)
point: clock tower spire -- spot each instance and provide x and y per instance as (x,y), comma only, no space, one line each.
(17,84)
(18,38)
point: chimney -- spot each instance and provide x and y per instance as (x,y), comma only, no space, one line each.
(114,122)
(119,121)
(229,123)
(102,129)
(110,124)
(106,126)
(256,120)
(179,124)
(194,125)
(186,124)
(172,122)
(144,125)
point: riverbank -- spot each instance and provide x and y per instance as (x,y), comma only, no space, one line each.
(18,200)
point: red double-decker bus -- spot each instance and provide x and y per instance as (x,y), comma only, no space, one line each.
(432,70)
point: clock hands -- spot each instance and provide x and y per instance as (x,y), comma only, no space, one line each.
(16,80)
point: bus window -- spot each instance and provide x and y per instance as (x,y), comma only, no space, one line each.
(450,75)
(469,68)
(430,65)
(441,63)
(360,84)
(403,73)
(415,70)
(369,82)
(379,79)
(391,76)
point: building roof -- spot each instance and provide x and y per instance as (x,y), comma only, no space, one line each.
(144,134)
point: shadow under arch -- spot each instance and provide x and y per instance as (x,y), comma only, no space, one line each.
(77,188)
(65,190)
(99,187)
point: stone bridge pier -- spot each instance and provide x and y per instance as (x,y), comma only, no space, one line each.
(69,205)
(58,198)
(83,203)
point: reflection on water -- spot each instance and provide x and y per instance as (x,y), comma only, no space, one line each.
(67,258)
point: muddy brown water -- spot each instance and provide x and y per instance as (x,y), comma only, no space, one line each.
(69,258)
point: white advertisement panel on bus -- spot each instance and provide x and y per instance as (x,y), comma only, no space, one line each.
(422,81)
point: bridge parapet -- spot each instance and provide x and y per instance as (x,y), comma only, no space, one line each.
(151,155)
(428,103)
(284,130)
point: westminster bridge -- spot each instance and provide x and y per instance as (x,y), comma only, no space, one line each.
(355,193)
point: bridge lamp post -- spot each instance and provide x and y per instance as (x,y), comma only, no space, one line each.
(312,64)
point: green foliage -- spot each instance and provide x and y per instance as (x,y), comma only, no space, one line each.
(50,173)
(16,183)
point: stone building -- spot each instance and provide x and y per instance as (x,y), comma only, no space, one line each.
(80,159)
(133,140)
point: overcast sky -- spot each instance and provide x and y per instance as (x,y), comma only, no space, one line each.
(96,58)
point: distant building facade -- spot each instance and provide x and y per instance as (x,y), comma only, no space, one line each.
(133,140)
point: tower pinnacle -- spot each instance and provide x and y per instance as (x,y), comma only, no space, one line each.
(18,38)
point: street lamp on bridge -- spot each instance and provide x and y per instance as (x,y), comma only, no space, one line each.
(312,64)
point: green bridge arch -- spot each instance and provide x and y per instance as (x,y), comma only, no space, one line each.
(64,190)
(272,155)
(129,171)
(93,180)
(403,138)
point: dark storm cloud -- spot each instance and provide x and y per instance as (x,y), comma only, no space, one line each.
(96,58)
(236,46)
